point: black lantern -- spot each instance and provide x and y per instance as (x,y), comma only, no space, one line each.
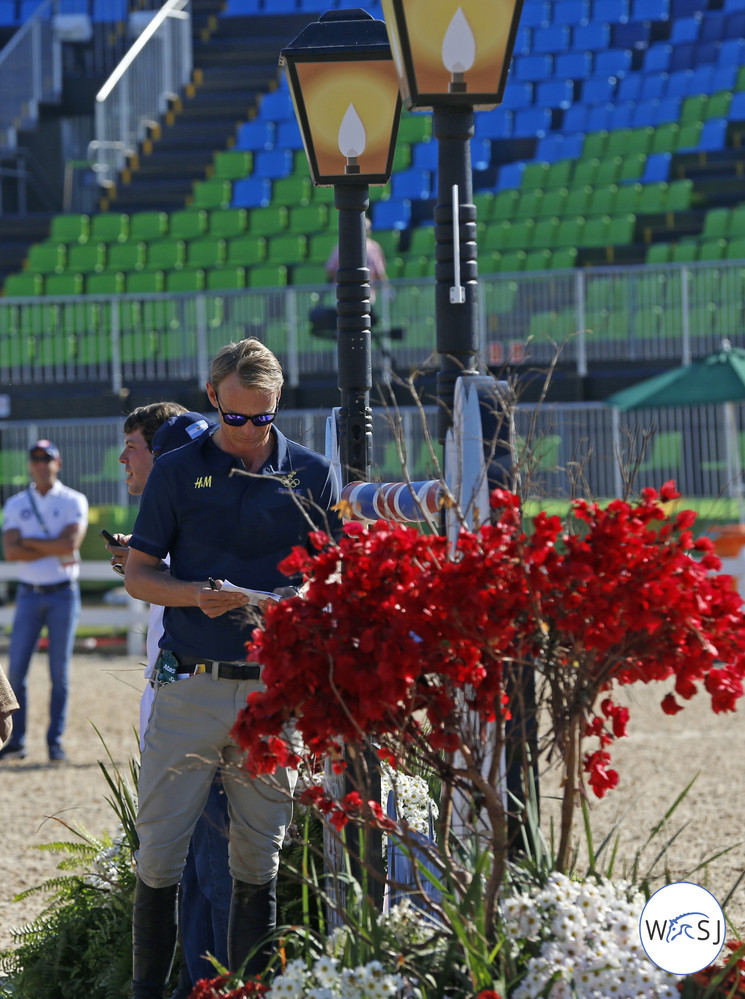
(452,52)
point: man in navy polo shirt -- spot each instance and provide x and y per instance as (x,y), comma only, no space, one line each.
(228,507)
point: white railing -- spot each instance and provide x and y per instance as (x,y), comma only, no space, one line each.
(136,95)
(610,316)
(587,443)
(30,72)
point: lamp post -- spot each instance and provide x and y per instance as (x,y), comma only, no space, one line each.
(346,96)
(345,91)
(452,57)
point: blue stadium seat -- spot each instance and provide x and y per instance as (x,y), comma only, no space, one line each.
(277,106)
(713,135)
(657,58)
(686,29)
(601,88)
(535,14)
(631,34)
(425,155)
(668,109)
(496,124)
(556,146)
(255,135)
(613,61)
(251,192)
(712,26)
(551,38)
(510,176)
(644,114)
(107,11)
(573,65)
(725,76)
(682,8)
(273,163)
(575,118)
(281,7)
(523,41)
(480,153)
(554,93)
(571,12)
(630,87)
(600,118)
(592,37)
(622,114)
(732,53)
(391,214)
(655,86)
(735,27)
(684,56)
(531,68)
(530,122)
(737,107)
(679,84)
(650,10)
(8,16)
(610,11)
(415,185)
(517,95)
(734,5)
(288,135)
(657,168)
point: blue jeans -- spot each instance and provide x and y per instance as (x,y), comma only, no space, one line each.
(59,611)
(206,888)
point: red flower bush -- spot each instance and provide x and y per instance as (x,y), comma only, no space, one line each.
(400,640)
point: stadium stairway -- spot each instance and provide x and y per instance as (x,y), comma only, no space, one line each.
(235,61)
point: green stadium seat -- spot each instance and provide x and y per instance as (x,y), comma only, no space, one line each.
(422,240)
(578,200)
(553,203)
(564,258)
(205,253)
(595,231)
(225,223)
(680,195)
(484,203)
(14,467)
(689,135)
(529,204)
(608,171)
(267,221)
(85,258)
(494,236)
(665,138)
(702,319)
(520,234)
(653,198)
(569,232)
(718,104)
(538,260)
(186,279)
(70,228)
(628,197)
(729,319)
(544,234)
(320,245)
(505,204)
(166,254)
(267,277)
(297,189)
(126,256)
(712,249)
(666,452)
(632,168)
(415,266)
(693,109)
(716,223)
(671,321)
(46,258)
(108,283)
(735,249)
(308,218)
(560,174)
(64,284)
(512,261)
(621,230)
(535,174)
(187,224)
(23,285)
(144,282)
(226,278)
(212,194)
(401,156)
(414,127)
(499,296)
(603,200)
(232,164)
(585,173)
(551,326)
(109,227)
(659,253)
(595,145)
(147,226)
(138,345)
(646,322)
(246,250)
(389,240)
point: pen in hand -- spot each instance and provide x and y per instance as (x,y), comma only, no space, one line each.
(212,583)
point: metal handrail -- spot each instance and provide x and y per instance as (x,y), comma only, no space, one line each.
(30,73)
(153,71)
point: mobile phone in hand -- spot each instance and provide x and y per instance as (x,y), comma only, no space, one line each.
(110,539)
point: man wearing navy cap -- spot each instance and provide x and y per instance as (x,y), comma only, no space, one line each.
(227,507)
(43,528)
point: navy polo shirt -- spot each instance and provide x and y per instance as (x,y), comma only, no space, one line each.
(235,527)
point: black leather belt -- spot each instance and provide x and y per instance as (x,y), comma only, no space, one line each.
(225,671)
(46,587)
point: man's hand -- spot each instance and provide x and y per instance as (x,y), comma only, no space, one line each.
(119,551)
(214,601)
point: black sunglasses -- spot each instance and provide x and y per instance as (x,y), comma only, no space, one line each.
(239,420)
(41,457)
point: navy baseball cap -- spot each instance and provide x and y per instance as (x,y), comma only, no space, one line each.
(46,447)
(177,431)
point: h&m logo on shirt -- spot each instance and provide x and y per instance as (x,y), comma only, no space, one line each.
(203,482)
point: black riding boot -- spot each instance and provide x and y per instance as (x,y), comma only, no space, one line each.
(253,915)
(154,931)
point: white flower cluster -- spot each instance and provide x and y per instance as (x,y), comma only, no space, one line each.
(413,800)
(107,862)
(584,938)
(325,980)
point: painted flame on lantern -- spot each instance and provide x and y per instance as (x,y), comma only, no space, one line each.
(458,45)
(352,138)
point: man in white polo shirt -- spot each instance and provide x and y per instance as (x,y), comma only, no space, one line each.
(43,528)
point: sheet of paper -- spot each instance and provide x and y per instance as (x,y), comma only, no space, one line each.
(255,597)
